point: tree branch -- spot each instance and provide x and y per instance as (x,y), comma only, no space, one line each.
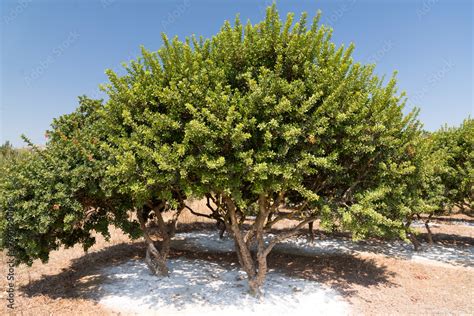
(197,213)
(285,235)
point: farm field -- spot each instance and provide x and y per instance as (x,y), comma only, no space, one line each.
(368,281)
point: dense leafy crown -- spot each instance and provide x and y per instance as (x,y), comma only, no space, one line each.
(262,109)
(53,196)
(457,144)
(268,109)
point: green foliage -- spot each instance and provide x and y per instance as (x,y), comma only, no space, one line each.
(424,188)
(6,150)
(457,145)
(8,154)
(257,112)
(54,196)
(264,109)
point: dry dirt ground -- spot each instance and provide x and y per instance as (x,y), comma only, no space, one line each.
(372,284)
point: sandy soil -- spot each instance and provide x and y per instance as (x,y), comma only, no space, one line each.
(63,285)
(204,287)
(436,254)
(372,283)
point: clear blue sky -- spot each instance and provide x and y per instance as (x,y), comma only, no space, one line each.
(53,51)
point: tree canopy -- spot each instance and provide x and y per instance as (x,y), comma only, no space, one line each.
(457,143)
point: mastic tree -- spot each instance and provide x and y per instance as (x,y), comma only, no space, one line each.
(267,122)
(457,143)
(443,181)
(61,194)
(258,117)
(424,188)
(56,195)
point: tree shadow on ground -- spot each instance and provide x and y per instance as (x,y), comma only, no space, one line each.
(447,239)
(439,238)
(339,271)
(83,279)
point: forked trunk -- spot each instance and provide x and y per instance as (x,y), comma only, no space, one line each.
(156,258)
(255,266)
(156,261)
(243,252)
(256,282)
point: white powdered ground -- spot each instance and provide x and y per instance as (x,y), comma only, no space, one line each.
(198,287)
(459,222)
(436,254)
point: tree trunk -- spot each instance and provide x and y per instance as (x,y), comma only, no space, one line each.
(310,232)
(430,235)
(221,226)
(256,282)
(411,236)
(156,262)
(243,253)
(255,266)
(156,259)
(414,241)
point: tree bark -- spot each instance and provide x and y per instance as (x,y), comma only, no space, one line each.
(256,282)
(221,226)
(256,267)
(414,241)
(411,235)
(244,254)
(310,232)
(156,259)
(430,235)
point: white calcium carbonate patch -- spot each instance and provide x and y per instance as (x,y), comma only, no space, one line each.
(198,287)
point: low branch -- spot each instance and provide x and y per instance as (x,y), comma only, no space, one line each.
(279,217)
(288,234)
(208,203)
(197,213)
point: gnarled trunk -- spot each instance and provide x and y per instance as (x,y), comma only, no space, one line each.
(411,236)
(427,225)
(156,258)
(256,266)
